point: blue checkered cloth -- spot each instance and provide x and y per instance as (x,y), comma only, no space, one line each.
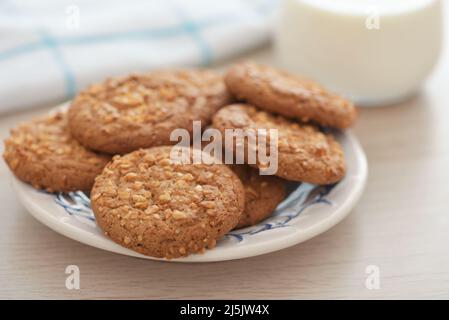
(49,49)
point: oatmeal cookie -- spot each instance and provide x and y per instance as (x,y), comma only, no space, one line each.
(139,111)
(43,153)
(304,152)
(262,194)
(148,203)
(277,91)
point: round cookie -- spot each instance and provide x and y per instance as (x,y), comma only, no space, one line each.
(121,115)
(304,152)
(43,153)
(262,194)
(277,91)
(146,202)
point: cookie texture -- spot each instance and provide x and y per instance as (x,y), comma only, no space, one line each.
(277,91)
(153,205)
(263,193)
(304,152)
(42,152)
(138,111)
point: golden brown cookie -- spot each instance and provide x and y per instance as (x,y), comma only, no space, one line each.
(277,91)
(262,194)
(139,111)
(43,153)
(146,202)
(304,152)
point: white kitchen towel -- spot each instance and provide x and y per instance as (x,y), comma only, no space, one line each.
(49,50)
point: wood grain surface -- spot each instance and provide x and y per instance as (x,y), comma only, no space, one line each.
(401,225)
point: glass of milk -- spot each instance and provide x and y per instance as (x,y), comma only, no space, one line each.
(376,52)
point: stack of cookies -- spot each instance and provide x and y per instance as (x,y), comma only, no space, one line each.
(114,143)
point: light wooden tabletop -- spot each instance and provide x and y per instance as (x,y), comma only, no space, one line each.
(400,228)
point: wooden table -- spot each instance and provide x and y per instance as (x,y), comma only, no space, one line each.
(401,226)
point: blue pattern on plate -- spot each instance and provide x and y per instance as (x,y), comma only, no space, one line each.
(75,204)
(302,197)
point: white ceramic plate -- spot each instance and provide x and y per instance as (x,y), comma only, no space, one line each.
(308,211)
